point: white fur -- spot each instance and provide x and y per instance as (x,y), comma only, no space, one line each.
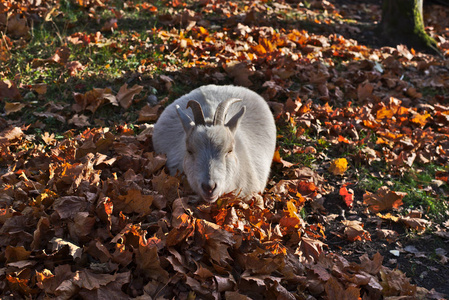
(245,169)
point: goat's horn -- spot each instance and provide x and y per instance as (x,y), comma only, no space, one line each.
(198,115)
(222,108)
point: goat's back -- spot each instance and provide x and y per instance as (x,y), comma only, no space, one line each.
(256,131)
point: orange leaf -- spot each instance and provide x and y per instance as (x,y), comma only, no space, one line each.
(348,196)
(384,199)
(420,119)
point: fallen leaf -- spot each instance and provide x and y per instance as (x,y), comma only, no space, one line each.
(12,107)
(354,231)
(338,166)
(348,196)
(383,199)
(125,95)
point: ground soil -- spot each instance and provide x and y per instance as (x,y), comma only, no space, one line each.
(423,268)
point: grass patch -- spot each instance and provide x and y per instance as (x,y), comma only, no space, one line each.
(419,185)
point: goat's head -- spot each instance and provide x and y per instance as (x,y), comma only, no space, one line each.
(210,161)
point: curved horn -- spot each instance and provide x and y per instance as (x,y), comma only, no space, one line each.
(222,108)
(198,115)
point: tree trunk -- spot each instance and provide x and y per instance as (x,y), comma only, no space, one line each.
(402,23)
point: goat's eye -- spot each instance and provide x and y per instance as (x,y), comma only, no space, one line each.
(230,151)
(190,152)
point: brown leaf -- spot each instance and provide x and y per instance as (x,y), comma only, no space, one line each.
(389,235)
(415,223)
(384,199)
(147,259)
(79,120)
(371,266)
(74,67)
(8,90)
(88,280)
(12,107)
(61,55)
(166,185)
(110,25)
(13,254)
(334,290)
(364,91)
(136,202)
(309,249)
(125,95)
(240,71)
(17,26)
(395,283)
(74,250)
(217,241)
(40,88)
(149,113)
(69,206)
(354,231)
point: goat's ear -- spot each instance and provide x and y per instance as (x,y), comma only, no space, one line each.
(186,121)
(235,120)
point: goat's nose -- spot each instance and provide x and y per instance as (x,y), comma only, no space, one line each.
(209,187)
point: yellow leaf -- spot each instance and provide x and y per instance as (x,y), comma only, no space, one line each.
(420,119)
(338,166)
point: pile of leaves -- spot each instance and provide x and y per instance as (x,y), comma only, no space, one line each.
(87,208)
(96,215)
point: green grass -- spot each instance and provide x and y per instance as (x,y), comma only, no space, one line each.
(417,183)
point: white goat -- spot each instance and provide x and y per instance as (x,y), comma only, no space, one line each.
(224,143)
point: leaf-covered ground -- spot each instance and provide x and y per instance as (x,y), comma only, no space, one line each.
(357,204)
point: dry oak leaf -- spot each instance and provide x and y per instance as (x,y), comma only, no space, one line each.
(113,290)
(338,166)
(383,199)
(10,134)
(240,71)
(371,266)
(386,234)
(125,96)
(74,250)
